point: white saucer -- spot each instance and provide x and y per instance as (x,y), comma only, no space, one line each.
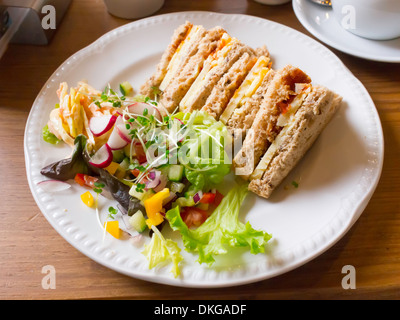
(320,22)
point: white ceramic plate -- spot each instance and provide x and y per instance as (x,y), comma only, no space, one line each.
(321,23)
(336,178)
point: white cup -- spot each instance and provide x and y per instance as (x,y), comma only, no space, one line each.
(133,9)
(371,19)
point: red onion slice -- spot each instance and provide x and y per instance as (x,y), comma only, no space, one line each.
(162,184)
(197,197)
(154,179)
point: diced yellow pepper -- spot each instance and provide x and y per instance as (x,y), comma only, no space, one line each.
(112,227)
(87,199)
(154,204)
(155,220)
(112,168)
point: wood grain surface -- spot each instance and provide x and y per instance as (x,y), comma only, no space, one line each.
(28,242)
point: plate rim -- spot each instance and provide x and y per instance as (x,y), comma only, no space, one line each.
(302,19)
(148,276)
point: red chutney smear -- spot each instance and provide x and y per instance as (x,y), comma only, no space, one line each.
(284,106)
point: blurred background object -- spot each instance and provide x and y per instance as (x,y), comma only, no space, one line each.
(27,20)
(5,21)
(326,3)
(272,2)
(133,9)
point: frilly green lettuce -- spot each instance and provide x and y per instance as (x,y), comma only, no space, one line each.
(221,230)
(160,249)
(203,151)
(48,136)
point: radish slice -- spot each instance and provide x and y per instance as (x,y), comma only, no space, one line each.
(53,185)
(123,134)
(139,107)
(102,158)
(122,130)
(115,141)
(100,125)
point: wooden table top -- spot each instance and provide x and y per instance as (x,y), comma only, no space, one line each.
(28,242)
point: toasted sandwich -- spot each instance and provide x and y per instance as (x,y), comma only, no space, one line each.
(289,121)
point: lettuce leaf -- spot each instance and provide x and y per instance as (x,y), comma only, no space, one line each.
(207,178)
(203,151)
(221,230)
(48,136)
(160,249)
(66,169)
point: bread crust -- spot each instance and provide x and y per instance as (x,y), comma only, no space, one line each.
(264,130)
(227,85)
(178,87)
(243,116)
(155,80)
(311,119)
(214,75)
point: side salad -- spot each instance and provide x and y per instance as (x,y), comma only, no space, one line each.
(161,168)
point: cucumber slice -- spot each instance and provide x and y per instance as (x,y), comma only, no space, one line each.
(148,194)
(185,202)
(127,151)
(177,187)
(122,168)
(138,221)
(140,195)
(118,155)
(126,88)
(175,173)
(191,192)
(125,164)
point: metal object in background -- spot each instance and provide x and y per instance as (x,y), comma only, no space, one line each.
(4,21)
(29,14)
